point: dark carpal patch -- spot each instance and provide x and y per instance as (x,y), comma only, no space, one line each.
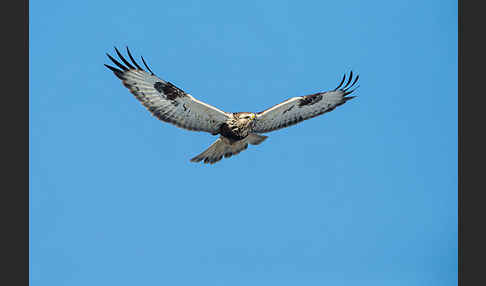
(159,86)
(310,99)
(169,90)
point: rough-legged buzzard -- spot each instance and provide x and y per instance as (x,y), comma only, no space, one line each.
(236,130)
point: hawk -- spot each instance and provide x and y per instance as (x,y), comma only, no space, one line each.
(236,130)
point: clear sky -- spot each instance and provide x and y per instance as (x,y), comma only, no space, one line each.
(364,195)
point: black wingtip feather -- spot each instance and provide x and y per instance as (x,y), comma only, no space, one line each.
(116,71)
(133,60)
(346,88)
(342,81)
(147,66)
(123,59)
(351,91)
(349,80)
(117,62)
(354,82)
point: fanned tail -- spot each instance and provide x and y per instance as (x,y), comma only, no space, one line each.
(222,148)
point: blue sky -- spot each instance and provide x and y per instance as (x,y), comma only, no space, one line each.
(364,195)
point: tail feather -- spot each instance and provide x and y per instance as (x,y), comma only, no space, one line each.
(255,139)
(223,148)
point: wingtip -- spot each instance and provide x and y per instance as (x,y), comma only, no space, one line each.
(143,60)
(347,91)
(349,79)
(346,88)
(123,59)
(349,83)
(341,83)
(124,68)
(117,72)
(132,59)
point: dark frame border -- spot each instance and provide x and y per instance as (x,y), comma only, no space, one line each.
(15,144)
(459,143)
(471,145)
(15,210)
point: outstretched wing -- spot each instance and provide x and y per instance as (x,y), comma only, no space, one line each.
(164,100)
(297,109)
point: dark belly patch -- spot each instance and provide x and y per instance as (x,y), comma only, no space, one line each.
(227,132)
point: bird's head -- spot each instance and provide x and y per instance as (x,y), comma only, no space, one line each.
(251,116)
(244,119)
(247,116)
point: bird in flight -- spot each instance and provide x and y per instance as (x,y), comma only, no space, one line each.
(236,130)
